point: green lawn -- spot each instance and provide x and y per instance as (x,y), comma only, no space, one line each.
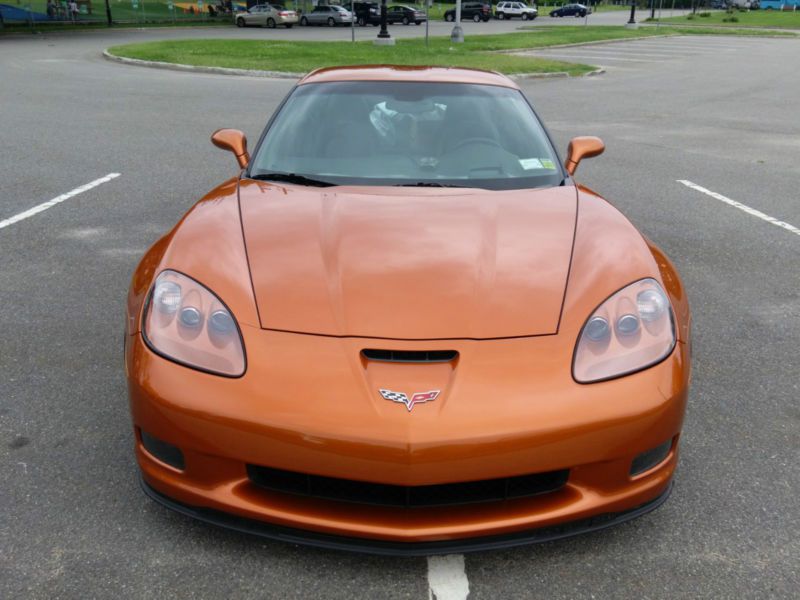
(477,51)
(754,18)
(300,57)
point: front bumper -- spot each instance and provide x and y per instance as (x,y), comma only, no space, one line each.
(368,546)
(308,404)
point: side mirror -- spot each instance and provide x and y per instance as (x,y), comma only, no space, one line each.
(233,140)
(583,147)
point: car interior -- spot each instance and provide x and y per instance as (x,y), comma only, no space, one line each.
(407,131)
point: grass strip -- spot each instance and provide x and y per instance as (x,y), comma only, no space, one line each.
(753,18)
(478,51)
(299,57)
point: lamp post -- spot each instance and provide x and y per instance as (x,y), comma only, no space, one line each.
(631,24)
(457,35)
(384,39)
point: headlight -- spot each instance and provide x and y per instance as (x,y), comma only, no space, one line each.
(630,331)
(185,322)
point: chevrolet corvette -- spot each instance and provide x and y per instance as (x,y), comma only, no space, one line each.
(402,327)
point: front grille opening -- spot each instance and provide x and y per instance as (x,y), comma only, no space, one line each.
(362,492)
(163,451)
(410,356)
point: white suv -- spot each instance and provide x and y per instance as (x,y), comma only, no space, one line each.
(509,10)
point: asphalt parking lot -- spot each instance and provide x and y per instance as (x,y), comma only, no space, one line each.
(74,522)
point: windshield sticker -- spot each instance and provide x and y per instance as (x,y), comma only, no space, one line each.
(548,164)
(530,163)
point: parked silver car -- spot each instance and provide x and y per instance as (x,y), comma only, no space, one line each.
(327,15)
(267,15)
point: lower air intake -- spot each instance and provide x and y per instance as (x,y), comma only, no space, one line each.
(362,492)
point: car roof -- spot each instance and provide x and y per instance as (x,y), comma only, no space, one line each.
(408,73)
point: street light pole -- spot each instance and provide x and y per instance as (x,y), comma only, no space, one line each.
(632,21)
(384,39)
(457,35)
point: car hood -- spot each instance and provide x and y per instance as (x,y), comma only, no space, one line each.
(421,263)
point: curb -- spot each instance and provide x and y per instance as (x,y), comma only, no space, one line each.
(153,64)
(557,74)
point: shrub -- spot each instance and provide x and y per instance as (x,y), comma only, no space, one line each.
(690,17)
(733,19)
(704,14)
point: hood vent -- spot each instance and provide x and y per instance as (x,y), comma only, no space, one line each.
(410,356)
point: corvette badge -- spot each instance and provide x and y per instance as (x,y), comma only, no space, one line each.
(416,398)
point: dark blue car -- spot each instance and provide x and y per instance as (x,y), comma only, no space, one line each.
(571,10)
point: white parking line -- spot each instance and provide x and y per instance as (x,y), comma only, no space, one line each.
(446,578)
(684,46)
(57,200)
(579,56)
(624,52)
(740,206)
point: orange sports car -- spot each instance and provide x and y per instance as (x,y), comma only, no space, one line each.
(403,328)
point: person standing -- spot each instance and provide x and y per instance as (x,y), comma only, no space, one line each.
(73,10)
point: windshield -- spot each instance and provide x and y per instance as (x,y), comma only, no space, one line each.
(409,133)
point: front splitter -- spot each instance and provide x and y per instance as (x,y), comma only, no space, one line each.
(372,546)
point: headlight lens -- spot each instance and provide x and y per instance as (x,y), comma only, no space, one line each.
(630,331)
(184,321)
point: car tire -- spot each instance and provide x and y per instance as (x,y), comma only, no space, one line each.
(449,18)
(477,18)
(417,22)
(501,16)
(240,22)
(406,21)
(271,23)
(331,22)
(304,22)
(524,16)
(361,22)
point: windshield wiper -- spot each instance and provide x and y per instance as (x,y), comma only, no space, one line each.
(292,178)
(428,184)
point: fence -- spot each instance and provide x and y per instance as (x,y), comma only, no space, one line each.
(85,12)
(42,12)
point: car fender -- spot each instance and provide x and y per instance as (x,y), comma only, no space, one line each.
(207,245)
(609,253)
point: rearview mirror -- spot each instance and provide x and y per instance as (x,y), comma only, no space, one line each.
(583,147)
(233,140)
